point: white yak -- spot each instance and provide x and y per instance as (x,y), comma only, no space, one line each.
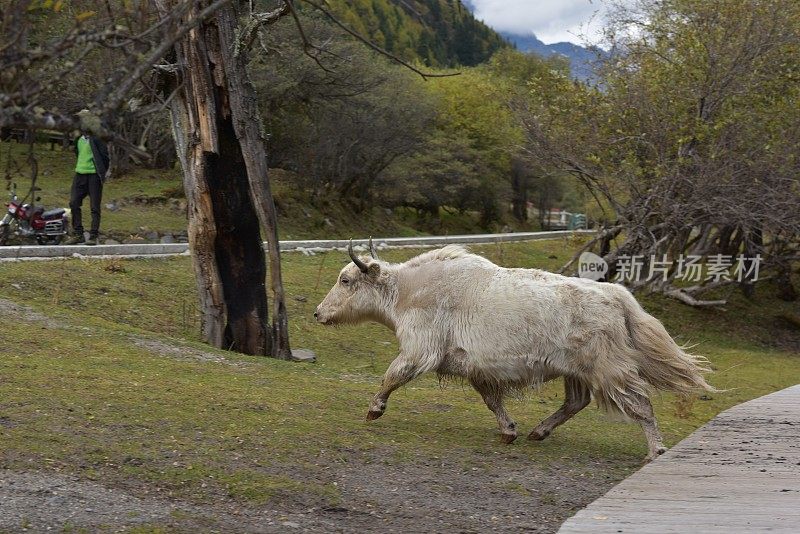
(459,314)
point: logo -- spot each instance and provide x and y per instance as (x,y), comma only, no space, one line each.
(591,266)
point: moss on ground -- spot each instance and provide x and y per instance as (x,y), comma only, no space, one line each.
(81,394)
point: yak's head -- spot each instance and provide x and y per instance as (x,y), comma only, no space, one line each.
(358,294)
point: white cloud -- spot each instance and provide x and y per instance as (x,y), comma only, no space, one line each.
(551,20)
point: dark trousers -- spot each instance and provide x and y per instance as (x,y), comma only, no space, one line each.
(83,185)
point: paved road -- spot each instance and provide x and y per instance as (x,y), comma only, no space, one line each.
(154,249)
(738,473)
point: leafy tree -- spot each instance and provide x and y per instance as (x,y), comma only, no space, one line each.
(438,32)
(448,173)
(474,134)
(689,145)
(339,127)
(517,74)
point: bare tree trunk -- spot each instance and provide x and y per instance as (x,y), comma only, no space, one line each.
(519,188)
(783,280)
(250,131)
(754,245)
(519,201)
(219,141)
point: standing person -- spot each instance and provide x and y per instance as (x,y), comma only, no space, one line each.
(90,173)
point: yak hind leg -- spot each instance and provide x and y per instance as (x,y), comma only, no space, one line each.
(577,396)
(634,403)
(493,397)
(643,414)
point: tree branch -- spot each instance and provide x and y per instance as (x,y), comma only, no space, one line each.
(613,232)
(307,45)
(255,22)
(40,119)
(686,298)
(123,87)
(382,51)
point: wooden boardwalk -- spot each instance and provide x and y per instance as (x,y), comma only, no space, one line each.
(738,473)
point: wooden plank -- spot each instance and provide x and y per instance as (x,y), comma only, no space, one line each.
(738,473)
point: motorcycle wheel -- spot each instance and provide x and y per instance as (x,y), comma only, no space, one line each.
(4,231)
(48,240)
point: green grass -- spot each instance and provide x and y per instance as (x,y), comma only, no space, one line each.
(55,172)
(298,216)
(80,396)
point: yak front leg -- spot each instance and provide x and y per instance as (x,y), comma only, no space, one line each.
(576,397)
(493,397)
(401,371)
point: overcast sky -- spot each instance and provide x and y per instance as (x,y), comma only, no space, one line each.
(551,20)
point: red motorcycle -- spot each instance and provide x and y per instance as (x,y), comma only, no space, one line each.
(28,220)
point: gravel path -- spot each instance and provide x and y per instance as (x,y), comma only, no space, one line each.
(429,495)
(43,501)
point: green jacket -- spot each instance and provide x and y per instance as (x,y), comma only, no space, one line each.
(99,155)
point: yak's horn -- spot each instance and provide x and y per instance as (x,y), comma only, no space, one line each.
(372,250)
(360,264)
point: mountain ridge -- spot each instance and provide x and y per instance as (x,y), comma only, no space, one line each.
(581,58)
(440,33)
(446,33)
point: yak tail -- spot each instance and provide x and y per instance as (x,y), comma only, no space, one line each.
(663,363)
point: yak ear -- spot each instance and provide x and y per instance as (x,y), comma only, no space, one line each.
(374,270)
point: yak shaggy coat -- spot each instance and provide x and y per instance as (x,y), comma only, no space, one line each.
(459,314)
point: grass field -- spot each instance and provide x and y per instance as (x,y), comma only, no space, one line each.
(93,384)
(142,203)
(55,171)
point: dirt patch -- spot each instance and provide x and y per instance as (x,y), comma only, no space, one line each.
(181,352)
(25,313)
(425,494)
(162,348)
(511,494)
(43,501)
(785,334)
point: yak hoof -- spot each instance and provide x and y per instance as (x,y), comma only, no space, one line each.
(508,438)
(653,455)
(372,415)
(538,435)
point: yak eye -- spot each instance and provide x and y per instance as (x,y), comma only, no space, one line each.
(345,281)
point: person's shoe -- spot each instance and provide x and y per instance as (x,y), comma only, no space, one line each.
(92,241)
(77,239)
